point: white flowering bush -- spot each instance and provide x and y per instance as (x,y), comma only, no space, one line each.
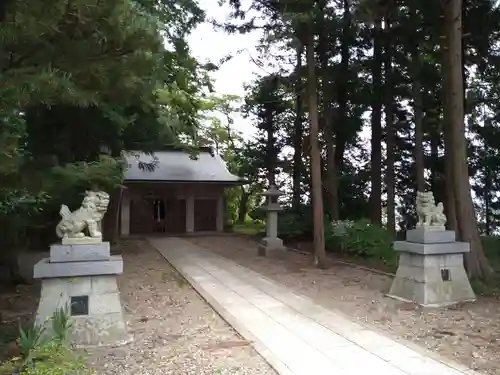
(340,228)
(359,238)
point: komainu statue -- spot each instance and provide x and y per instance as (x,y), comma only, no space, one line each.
(430,215)
(88,217)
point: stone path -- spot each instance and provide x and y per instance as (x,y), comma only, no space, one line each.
(295,335)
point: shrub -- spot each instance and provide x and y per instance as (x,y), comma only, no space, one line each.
(30,338)
(61,323)
(54,358)
(360,238)
(294,225)
(255,227)
(258,213)
(491,246)
(44,355)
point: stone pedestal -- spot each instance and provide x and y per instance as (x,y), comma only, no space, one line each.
(431,270)
(82,277)
(272,244)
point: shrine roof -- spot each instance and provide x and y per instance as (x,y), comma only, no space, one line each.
(178,166)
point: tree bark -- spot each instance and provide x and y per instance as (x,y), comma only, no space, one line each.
(376,138)
(434,133)
(487,200)
(342,81)
(243,206)
(297,130)
(10,248)
(10,258)
(271,157)
(111,221)
(419,131)
(331,170)
(389,124)
(476,263)
(317,188)
(450,206)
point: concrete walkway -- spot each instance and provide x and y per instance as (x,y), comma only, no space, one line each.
(295,335)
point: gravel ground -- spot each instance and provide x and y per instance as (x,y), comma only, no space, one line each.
(176,331)
(469,334)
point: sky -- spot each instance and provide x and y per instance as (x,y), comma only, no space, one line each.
(208,44)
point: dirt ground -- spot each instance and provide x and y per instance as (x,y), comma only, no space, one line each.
(17,306)
(176,331)
(469,334)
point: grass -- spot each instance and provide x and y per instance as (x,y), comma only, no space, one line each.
(249,228)
(491,246)
(41,354)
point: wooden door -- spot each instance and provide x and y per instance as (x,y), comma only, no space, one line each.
(175,216)
(141,216)
(205,215)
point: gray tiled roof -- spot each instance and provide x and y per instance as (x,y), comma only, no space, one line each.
(177,165)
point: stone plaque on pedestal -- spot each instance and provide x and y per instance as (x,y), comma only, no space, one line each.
(431,266)
(88,287)
(80,277)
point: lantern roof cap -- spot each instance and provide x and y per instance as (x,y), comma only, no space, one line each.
(273,191)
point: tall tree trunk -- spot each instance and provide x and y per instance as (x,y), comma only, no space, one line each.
(487,200)
(297,129)
(342,82)
(476,263)
(317,189)
(376,139)
(10,249)
(331,171)
(389,124)
(435,170)
(10,258)
(419,130)
(450,206)
(243,206)
(271,157)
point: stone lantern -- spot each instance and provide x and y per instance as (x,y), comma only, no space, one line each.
(271,243)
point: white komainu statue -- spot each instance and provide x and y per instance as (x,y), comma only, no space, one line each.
(429,215)
(89,216)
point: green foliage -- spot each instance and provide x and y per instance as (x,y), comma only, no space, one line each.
(55,358)
(295,224)
(291,226)
(83,78)
(491,245)
(269,102)
(253,227)
(22,202)
(30,338)
(8,367)
(46,355)
(105,173)
(61,323)
(85,52)
(361,239)
(258,213)
(232,197)
(485,289)
(217,131)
